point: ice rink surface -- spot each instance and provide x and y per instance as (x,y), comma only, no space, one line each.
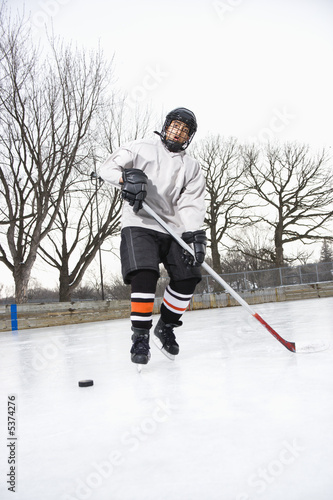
(235,417)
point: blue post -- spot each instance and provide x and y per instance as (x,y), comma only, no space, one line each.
(13,315)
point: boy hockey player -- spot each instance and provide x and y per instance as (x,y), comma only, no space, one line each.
(174,185)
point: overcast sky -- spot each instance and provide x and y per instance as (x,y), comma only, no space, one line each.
(257,70)
(253,69)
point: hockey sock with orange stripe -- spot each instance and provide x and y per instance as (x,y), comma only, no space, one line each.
(143,286)
(176,298)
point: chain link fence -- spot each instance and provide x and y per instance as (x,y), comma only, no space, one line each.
(265,278)
(241,282)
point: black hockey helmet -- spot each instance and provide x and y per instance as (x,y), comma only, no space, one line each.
(183,115)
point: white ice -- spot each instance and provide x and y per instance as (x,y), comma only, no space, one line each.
(235,417)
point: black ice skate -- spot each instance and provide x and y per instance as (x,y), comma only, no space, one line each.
(165,339)
(140,352)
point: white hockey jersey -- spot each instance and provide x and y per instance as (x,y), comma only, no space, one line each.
(175,189)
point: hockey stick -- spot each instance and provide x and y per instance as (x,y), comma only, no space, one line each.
(291,346)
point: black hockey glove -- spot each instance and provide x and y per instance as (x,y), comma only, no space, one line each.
(199,241)
(134,187)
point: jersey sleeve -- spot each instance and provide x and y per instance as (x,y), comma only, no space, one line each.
(110,171)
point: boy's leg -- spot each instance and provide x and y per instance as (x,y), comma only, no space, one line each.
(143,286)
(177,295)
(140,268)
(176,299)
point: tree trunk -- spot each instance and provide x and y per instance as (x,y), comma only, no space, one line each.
(21,275)
(64,289)
(64,283)
(279,260)
(216,261)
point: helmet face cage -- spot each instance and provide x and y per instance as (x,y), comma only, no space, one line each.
(185,116)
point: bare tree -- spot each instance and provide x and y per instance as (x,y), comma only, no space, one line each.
(253,248)
(119,124)
(257,248)
(87,217)
(46,113)
(297,190)
(89,213)
(225,192)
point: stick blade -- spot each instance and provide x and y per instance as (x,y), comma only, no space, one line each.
(291,346)
(288,345)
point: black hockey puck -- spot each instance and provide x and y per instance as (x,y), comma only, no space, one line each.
(86,383)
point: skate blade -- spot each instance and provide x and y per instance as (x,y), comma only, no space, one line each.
(139,366)
(159,345)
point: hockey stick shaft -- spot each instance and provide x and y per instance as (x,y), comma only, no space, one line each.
(288,345)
